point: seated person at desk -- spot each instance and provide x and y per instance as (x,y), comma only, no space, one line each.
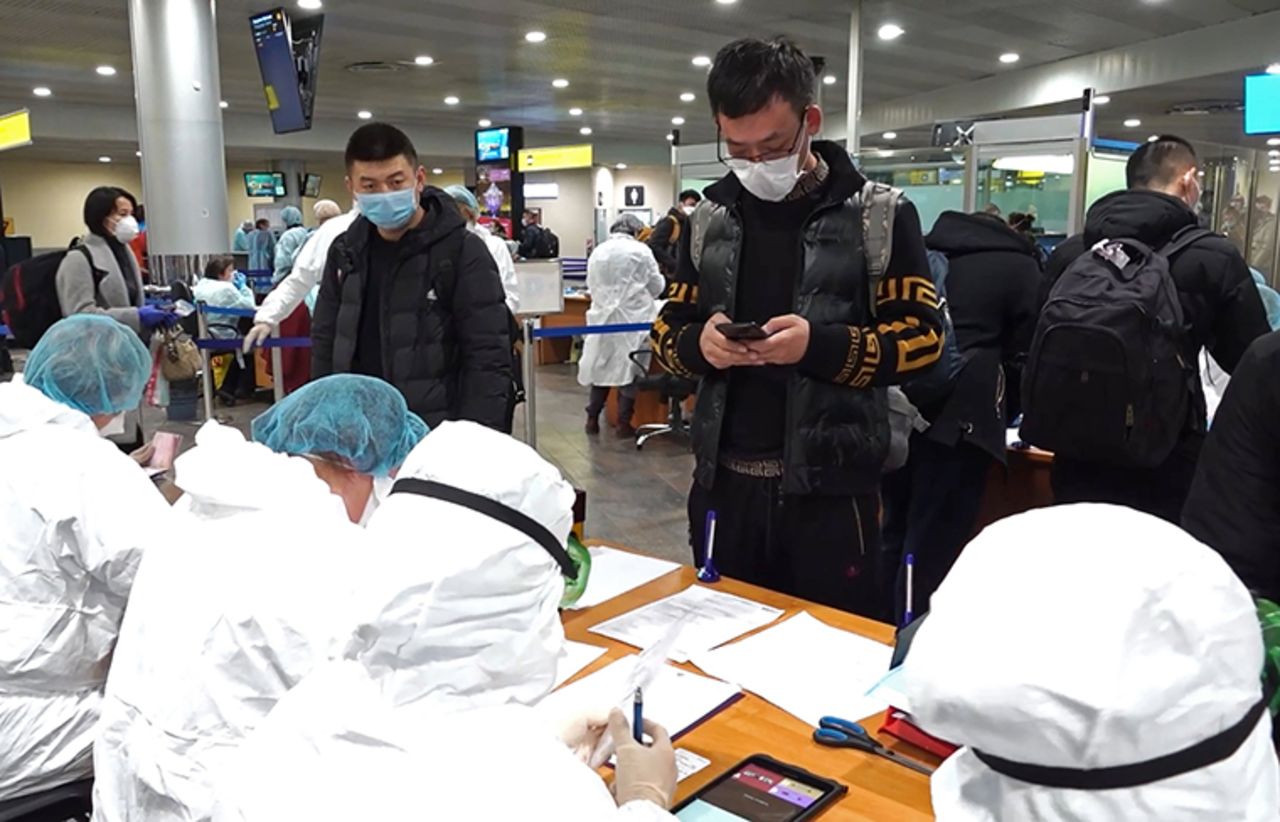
(438,681)
(220,629)
(224,287)
(624,281)
(1087,655)
(78,516)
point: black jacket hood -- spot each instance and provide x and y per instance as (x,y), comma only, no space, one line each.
(1151,217)
(956,233)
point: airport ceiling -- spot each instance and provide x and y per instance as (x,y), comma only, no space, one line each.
(627,63)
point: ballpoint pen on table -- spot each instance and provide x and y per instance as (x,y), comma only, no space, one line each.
(708,572)
(908,614)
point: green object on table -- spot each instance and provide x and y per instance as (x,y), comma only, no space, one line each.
(1269,618)
(576,587)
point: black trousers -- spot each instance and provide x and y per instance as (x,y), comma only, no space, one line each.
(930,507)
(1161,491)
(626,401)
(821,548)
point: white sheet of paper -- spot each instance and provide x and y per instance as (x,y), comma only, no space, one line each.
(688,763)
(615,572)
(806,668)
(892,689)
(675,699)
(711,618)
(1012,436)
(575,656)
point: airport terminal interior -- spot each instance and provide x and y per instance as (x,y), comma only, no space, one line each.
(879,396)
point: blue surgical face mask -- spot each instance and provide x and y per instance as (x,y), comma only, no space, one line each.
(390,210)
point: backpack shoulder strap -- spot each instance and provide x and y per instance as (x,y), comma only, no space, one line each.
(879,205)
(699,222)
(675,229)
(1184,239)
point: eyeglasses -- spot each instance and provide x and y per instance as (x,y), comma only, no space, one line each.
(742,163)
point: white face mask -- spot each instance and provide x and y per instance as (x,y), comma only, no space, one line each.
(688,210)
(114,428)
(770,180)
(126,229)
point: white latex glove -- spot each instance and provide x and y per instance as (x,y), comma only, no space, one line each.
(582,733)
(256,336)
(645,773)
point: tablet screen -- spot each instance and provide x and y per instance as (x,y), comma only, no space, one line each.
(752,794)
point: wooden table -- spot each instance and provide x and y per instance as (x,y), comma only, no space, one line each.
(574,314)
(1021,486)
(879,790)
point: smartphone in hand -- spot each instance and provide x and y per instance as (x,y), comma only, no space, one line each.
(743,332)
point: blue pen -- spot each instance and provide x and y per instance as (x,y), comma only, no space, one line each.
(637,716)
(708,572)
(908,615)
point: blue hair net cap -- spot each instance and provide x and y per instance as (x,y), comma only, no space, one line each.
(90,363)
(362,421)
(291,216)
(463,195)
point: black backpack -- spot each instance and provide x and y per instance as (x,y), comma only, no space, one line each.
(548,244)
(1107,380)
(29,294)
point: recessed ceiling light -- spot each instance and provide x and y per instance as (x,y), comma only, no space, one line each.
(1274,68)
(575,112)
(309,4)
(702,61)
(1153,138)
(677,121)
(1132,122)
(1274,141)
(104,159)
(485,123)
(671,138)
(688,97)
(106,71)
(1274,169)
(223,104)
(1275,152)
(1010,57)
(437,171)
(585,130)
(829,80)
(1101,100)
(621,166)
(726,2)
(423,60)
(137,153)
(890,31)
(536,37)
(891,135)
(451,100)
(560,82)
(41,91)
(365,115)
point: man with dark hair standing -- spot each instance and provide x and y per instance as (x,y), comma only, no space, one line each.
(409,295)
(792,428)
(664,241)
(1220,305)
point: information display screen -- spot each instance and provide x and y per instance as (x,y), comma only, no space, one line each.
(288,53)
(264,184)
(493,145)
(1262,104)
(311,185)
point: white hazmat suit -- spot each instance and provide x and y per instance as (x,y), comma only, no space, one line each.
(425,716)
(78,517)
(625,282)
(222,626)
(1087,637)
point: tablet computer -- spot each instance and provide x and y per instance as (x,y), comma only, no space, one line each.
(761,789)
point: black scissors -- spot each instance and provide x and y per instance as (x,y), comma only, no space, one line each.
(841,733)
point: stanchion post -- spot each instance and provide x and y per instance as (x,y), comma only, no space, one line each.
(277,366)
(530,390)
(206,370)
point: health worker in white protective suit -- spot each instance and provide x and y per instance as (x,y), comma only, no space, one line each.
(625,284)
(431,690)
(257,596)
(1099,665)
(469,208)
(78,517)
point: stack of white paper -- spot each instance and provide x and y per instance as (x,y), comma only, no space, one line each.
(710,618)
(806,668)
(575,656)
(615,572)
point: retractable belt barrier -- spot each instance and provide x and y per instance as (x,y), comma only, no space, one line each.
(208,344)
(587,330)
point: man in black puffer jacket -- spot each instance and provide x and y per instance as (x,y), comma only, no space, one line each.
(409,295)
(1220,303)
(791,430)
(930,505)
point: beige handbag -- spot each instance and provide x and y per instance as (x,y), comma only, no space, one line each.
(180,359)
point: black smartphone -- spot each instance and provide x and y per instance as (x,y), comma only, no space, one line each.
(743,332)
(762,789)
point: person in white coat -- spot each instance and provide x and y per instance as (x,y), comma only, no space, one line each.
(78,517)
(290,243)
(625,283)
(438,680)
(469,208)
(1099,665)
(256,598)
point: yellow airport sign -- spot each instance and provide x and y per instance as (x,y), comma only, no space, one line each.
(552,158)
(15,129)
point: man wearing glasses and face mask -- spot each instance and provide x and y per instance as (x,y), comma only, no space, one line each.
(409,295)
(791,429)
